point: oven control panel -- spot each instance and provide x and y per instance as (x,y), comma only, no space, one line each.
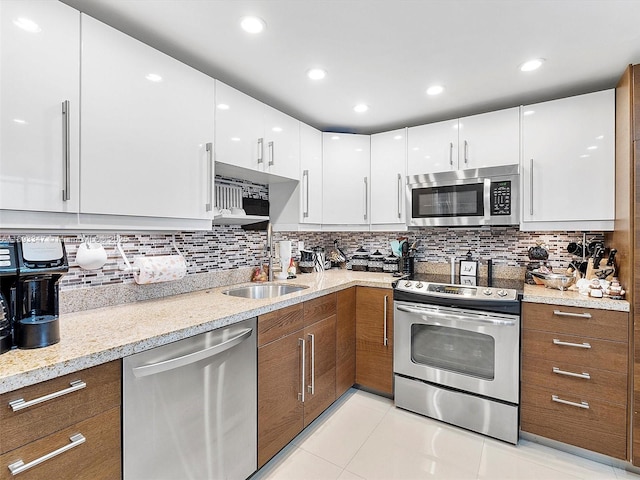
(457,291)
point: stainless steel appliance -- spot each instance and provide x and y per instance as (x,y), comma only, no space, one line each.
(41,264)
(481,196)
(190,407)
(457,353)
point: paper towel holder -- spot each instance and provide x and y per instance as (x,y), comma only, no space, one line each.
(128,268)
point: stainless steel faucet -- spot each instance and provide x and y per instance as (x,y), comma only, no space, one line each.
(269,247)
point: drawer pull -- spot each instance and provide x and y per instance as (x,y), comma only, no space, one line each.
(569,314)
(584,375)
(555,398)
(569,344)
(20,466)
(20,404)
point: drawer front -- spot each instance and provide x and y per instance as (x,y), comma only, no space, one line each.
(600,428)
(601,384)
(588,322)
(279,323)
(602,354)
(97,458)
(102,392)
(319,309)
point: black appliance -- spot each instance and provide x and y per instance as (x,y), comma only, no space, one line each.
(8,280)
(41,264)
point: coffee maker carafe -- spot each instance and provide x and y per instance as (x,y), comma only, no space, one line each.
(41,264)
(8,281)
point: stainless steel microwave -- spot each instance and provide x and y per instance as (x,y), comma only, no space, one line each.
(462,198)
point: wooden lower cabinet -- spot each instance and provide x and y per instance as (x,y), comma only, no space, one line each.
(575,376)
(290,396)
(346,341)
(374,339)
(97,458)
(88,407)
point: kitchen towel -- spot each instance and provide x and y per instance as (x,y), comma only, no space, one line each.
(163,268)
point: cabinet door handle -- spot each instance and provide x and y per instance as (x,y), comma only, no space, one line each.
(570,314)
(19,466)
(569,344)
(555,398)
(399,196)
(386,338)
(302,382)
(260,150)
(209,204)
(466,152)
(21,404)
(305,185)
(584,375)
(451,153)
(312,387)
(271,153)
(531,187)
(66,154)
(366,197)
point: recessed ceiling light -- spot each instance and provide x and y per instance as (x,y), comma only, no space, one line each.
(361,108)
(223,106)
(252,24)
(27,25)
(335,137)
(154,77)
(531,65)
(435,90)
(316,74)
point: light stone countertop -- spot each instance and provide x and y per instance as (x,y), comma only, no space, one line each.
(100,335)
(541,294)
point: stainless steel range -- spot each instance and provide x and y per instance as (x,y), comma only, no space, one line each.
(457,352)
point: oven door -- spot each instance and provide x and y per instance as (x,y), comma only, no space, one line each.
(467,350)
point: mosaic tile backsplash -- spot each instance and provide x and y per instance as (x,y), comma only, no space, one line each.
(231,247)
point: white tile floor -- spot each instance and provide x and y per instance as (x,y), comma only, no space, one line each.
(363,436)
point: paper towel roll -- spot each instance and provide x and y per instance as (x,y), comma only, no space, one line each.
(163,268)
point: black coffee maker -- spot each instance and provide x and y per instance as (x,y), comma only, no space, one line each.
(8,281)
(41,264)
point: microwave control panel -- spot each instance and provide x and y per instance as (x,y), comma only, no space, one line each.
(500,194)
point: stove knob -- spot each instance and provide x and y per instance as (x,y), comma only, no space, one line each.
(487,291)
(407,284)
(502,293)
(419,285)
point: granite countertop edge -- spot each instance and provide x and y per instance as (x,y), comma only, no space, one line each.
(135,327)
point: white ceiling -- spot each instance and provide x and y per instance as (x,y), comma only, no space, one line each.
(385,53)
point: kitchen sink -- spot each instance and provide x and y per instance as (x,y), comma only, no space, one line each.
(268,290)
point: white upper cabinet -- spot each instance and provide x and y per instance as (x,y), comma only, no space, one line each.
(254,137)
(568,163)
(485,140)
(239,129)
(489,139)
(432,148)
(388,178)
(281,143)
(345,179)
(147,130)
(311,178)
(39,98)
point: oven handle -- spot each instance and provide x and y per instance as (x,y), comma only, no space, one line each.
(479,319)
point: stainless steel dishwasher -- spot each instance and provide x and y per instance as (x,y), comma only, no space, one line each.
(190,408)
